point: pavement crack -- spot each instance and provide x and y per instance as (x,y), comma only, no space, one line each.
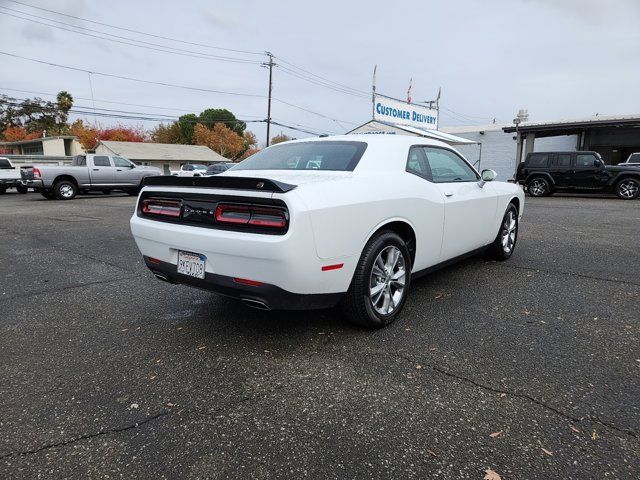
(62,289)
(87,436)
(523,396)
(573,274)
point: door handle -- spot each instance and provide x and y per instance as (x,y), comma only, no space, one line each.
(96,169)
(448,194)
(118,170)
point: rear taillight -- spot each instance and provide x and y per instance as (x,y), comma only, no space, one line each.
(36,173)
(229,214)
(167,208)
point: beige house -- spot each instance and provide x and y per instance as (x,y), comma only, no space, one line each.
(63,146)
(166,156)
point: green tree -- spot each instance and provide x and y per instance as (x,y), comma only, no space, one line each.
(36,115)
(281,137)
(166,133)
(187,123)
(211,116)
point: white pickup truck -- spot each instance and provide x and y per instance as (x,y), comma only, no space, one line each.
(190,170)
(101,173)
(10,177)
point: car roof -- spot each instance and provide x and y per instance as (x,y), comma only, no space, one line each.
(385,152)
(376,139)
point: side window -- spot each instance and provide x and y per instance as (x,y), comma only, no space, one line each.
(121,162)
(417,163)
(585,160)
(538,160)
(101,161)
(561,160)
(446,166)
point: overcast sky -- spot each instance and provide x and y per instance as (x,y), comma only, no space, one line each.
(557,58)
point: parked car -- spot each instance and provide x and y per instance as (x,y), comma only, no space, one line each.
(543,173)
(216,168)
(10,177)
(316,222)
(633,160)
(87,173)
(190,170)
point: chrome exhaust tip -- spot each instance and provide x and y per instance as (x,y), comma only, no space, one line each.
(160,276)
(255,304)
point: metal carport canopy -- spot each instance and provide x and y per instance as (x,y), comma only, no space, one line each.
(569,127)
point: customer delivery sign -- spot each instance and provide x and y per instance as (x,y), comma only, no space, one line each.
(390,110)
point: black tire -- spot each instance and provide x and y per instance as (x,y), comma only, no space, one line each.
(65,190)
(22,189)
(358,304)
(133,191)
(48,194)
(508,232)
(539,187)
(3,190)
(628,188)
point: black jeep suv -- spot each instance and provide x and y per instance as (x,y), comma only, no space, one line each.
(544,173)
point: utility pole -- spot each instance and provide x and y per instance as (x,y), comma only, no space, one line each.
(269,64)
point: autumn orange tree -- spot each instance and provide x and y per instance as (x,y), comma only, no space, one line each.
(90,135)
(15,134)
(219,138)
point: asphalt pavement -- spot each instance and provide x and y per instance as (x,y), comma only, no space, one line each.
(529,368)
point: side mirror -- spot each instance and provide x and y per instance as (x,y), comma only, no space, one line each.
(487,175)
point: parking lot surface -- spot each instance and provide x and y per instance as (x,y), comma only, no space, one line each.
(529,368)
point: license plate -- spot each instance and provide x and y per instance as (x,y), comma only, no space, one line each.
(191,264)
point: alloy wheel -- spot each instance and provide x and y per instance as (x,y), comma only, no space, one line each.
(387,280)
(537,187)
(628,189)
(66,191)
(509,231)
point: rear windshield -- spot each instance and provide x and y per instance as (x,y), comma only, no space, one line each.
(634,157)
(337,156)
(4,163)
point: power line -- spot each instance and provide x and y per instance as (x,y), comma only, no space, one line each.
(165,84)
(322,84)
(138,31)
(193,110)
(323,78)
(319,80)
(154,47)
(145,116)
(122,77)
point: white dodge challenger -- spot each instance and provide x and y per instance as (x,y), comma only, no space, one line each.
(314,223)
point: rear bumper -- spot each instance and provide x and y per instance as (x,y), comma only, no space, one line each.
(36,184)
(271,296)
(10,182)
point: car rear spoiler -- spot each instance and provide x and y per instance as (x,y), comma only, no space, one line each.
(235,183)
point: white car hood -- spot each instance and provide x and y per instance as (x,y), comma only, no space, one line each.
(295,177)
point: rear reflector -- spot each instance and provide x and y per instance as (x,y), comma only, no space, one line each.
(326,268)
(167,208)
(153,260)
(231,214)
(246,281)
